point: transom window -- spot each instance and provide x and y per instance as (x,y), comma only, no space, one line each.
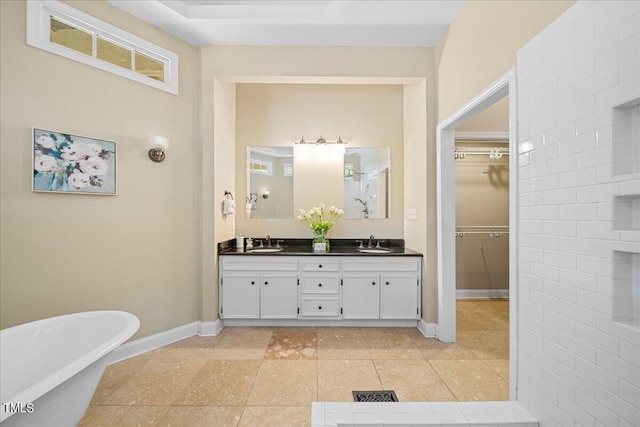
(58,28)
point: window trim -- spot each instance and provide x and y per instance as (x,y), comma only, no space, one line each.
(38,35)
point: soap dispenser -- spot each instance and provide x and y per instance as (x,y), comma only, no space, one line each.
(249,243)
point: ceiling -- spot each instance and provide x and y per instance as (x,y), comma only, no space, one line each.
(299,23)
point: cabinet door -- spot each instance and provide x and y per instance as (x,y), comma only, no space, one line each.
(399,296)
(278,296)
(240,296)
(360,296)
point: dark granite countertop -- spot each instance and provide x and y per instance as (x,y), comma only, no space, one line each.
(303,247)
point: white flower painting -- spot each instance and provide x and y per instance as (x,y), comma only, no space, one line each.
(73,164)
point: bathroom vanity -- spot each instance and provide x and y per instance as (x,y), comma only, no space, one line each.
(341,288)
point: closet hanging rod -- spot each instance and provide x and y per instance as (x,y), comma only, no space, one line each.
(484,227)
(499,232)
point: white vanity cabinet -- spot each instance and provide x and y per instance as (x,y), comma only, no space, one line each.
(381,288)
(320,287)
(360,296)
(258,287)
(306,290)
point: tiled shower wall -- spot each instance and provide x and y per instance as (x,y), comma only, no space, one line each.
(579,241)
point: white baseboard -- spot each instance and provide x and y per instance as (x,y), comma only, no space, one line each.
(427,329)
(210,329)
(152,342)
(482,293)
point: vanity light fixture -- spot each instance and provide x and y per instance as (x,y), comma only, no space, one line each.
(322,141)
(159,144)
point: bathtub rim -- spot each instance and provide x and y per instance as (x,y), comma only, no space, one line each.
(40,388)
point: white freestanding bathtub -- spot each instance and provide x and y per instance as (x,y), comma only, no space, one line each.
(49,369)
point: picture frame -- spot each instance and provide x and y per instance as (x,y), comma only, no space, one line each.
(72,164)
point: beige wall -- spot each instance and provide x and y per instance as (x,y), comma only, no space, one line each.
(481,45)
(411,67)
(137,251)
(279,114)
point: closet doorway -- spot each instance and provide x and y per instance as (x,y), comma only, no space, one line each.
(447,232)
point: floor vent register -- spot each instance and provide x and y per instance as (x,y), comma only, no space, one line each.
(375,396)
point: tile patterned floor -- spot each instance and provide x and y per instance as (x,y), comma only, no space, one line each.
(269,376)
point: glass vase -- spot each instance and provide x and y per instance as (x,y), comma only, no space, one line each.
(320,241)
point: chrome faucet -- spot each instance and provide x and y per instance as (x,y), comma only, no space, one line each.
(268,241)
(370,245)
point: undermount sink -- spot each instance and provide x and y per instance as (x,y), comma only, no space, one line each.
(374,250)
(264,250)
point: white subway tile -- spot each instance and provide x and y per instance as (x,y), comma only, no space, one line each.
(578,245)
(546,182)
(544,212)
(560,291)
(577,346)
(542,241)
(577,312)
(582,382)
(618,406)
(596,157)
(594,301)
(594,265)
(630,353)
(560,354)
(559,165)
(618,367)
(560,228)
(560,322)
(630,393)
(547,391)
(579,211)
(630,68)
(620,93)
(545,271)
(574,411)
(544,300)
(598,339)
(561,259)
(604,79)
(598,375)
(598,411)
(618,330)
(617,54)
(549,333)
(578,279)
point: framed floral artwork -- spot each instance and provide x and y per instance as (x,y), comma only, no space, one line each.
(65,163)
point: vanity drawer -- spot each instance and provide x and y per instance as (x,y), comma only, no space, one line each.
(258,263)
(382,263)
(320,264)
(320,283)
(328,306)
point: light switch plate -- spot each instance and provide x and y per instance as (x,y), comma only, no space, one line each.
(413,214)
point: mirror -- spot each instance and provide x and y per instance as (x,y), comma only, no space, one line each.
(270,181)
(367,183)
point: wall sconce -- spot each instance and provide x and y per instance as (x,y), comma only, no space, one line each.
(159,144)
(265,195)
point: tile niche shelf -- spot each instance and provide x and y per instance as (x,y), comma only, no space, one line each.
(626,288)
(625,135)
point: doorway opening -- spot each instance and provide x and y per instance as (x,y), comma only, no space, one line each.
(446,152)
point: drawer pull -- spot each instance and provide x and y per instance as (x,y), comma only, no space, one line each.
(320,284)
(266,283)
(373,283)
(320,266)
(253,283)
(387,283)
(319,307)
